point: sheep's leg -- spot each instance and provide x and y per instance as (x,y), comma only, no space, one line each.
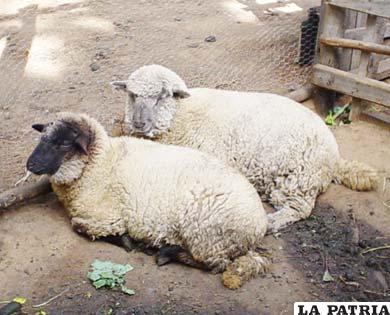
(123,240)
(175,253)
(243,268)
(129,244)
(295,209)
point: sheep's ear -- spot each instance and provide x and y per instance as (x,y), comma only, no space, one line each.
(83,139)
(119,85)
(38,127)
(82,142)
(180,93)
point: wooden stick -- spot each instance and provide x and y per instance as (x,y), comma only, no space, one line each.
(356,44)
(377,293)
(375,249)
(24,192)
(51,299)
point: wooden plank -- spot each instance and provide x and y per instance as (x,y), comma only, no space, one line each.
(383,70)
(378,121)
(331,24)
(381,116)
(376,36)
(371,37)
(361,21)
(355,33)
(387,31)
(371,34)
(375,7)
(351,84)
(384,65)
(356,44)
(349,23)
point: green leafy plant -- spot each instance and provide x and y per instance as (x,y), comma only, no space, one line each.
(337,112)
(329,119)
(109,275)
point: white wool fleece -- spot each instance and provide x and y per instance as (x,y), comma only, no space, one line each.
(284,149)
(163,195)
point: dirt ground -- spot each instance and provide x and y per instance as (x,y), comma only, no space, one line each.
(59,55)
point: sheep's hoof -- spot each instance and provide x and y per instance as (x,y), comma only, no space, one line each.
(175,253)
(231,281)
(127,243)
(162,260)
(168,254)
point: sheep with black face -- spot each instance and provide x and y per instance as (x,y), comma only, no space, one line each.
(158,194)
(284,149)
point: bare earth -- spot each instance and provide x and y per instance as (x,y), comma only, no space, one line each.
(48,52)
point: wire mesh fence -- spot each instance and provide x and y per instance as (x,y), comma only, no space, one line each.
(60,55)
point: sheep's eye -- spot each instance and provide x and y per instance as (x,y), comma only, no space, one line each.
(132,96)
(176,95)
(66,144)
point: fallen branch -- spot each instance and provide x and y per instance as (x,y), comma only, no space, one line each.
(24,193)
(51,299)
(352,283)
(375,249)
(376,293)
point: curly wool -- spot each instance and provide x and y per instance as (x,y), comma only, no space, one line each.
(164,195)
(284,149)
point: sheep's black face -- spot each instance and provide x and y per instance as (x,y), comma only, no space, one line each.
(59,142)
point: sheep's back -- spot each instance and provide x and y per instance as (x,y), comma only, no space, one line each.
(172,191)
(263,135)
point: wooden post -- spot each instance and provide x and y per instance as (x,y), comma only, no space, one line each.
(349,24)
(374,70)
(331,25)
(358,105)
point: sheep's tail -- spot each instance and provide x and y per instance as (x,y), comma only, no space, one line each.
(243,268)
(356,175)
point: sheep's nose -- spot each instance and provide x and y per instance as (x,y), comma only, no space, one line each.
(139,124)
(34,167)
(30,165)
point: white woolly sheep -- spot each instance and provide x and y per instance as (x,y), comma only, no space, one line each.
(284,149)
(156,193)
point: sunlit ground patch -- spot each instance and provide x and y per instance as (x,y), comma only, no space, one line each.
(42,58)
(13,6)
(238,10)
(94,23)
(3,43)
